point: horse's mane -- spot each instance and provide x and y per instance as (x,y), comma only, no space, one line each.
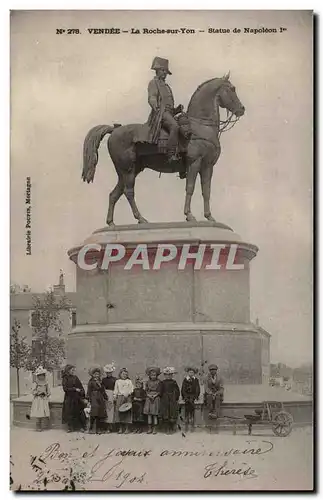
(199,88)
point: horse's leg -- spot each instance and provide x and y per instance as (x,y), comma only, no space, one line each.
(114,196)
(206,173)
(190,186)
(129,191)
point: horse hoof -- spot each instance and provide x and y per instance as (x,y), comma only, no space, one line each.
(111,224)
(142,221)
(210,218)
(190,218)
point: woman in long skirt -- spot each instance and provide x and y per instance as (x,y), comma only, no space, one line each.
(97,399)
(122,393)
(73,405)
(109,382)
(169,396)
(41,392)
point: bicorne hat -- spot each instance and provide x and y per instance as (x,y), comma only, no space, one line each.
(160,63)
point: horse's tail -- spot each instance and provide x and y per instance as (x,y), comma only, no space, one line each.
(90,150)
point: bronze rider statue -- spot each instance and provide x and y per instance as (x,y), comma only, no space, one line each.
(161,100)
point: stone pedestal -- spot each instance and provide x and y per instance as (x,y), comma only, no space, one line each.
(174,317)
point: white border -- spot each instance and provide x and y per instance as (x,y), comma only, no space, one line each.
(4,135)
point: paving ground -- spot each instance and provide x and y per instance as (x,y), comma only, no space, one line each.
(198,461)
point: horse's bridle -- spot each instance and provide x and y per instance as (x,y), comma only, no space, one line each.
(224,125)
(229,123)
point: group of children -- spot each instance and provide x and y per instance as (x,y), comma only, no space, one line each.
(142,405)
(116,404)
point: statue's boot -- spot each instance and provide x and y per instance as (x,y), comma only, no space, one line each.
(182,167)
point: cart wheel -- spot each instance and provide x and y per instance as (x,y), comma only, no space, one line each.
(282,424)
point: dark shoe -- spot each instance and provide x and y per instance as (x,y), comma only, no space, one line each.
(182,175)
(154,430)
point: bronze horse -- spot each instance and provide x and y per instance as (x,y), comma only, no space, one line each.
(202,153)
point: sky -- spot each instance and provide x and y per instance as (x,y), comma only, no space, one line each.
(63,85)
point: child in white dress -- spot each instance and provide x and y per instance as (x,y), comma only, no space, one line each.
(41,392)
(122,392)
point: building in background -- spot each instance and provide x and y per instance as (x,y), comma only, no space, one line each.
(303,379)
(21,309)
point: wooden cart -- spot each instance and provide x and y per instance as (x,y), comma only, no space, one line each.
(272,414)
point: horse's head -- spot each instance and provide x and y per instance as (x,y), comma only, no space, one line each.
(228,98)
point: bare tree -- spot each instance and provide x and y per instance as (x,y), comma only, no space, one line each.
(19,351)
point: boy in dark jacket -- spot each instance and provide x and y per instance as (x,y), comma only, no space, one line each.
(190,393)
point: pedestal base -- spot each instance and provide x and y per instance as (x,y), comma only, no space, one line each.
(240,351)
(170,315)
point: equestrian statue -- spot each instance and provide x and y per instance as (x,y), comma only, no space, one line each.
(171,141)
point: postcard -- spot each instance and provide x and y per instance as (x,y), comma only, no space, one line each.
(161,333)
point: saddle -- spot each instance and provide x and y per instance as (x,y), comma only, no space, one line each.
(145,148)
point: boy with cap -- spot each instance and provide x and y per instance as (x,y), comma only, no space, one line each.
(213,391)
(190,393)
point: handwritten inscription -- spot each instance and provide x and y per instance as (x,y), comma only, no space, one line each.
(59,469)
(121,477)
(259,448)
(226,469)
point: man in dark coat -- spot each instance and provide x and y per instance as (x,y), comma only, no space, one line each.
(73,404)
(214,391)
(190,393)
(161,100)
